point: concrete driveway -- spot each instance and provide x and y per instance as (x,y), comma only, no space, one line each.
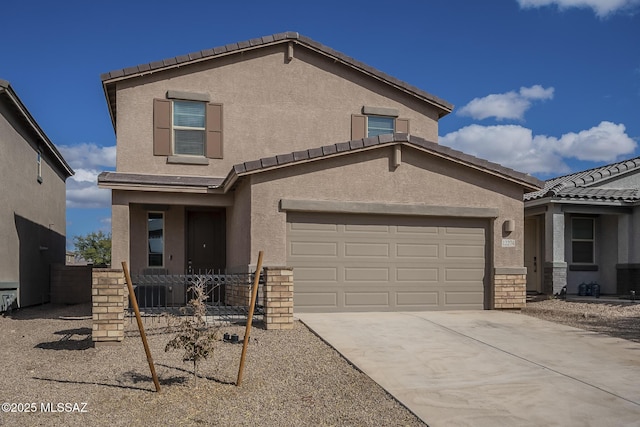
(490,368)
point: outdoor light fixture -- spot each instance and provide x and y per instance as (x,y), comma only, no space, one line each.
(509,226)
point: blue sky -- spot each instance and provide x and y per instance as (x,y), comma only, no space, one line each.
(546,87)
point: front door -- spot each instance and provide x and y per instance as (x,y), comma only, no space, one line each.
(532,254)
(206,240)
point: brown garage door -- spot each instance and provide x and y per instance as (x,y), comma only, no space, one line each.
(385,263)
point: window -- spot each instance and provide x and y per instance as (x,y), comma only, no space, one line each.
(377,125)
(155,233)
(188,128)
(582,240)
(39,160)
(376,121)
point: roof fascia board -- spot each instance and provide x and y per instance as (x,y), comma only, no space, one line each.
(5,86)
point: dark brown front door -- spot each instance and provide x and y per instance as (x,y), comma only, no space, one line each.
(206,240)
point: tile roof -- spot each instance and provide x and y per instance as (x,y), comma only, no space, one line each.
(578,185)
(282,160)
(109,179)
(109,78)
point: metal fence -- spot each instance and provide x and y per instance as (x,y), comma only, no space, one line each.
(228,295)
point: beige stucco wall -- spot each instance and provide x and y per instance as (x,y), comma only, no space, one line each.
(271,106)
(32,214)
(369,177)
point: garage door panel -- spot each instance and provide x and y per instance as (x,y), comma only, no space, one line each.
(365,229)
(374,262)
(316,274)
(464,275)
(405,300)
(466,251)
(472,299)
(417,275)
(405,229)
(366,298)
(317,300)
(358,274)
(313,249)
(417,250)
(366,250)
(313,226)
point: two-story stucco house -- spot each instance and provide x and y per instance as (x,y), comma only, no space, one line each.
(326,164)
(32,213)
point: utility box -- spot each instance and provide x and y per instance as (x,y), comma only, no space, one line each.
(8,296)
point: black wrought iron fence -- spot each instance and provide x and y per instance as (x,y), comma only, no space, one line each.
(228,295)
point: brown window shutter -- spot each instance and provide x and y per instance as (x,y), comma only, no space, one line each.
(358,126)
(402,125)
(161,127)
(214,131)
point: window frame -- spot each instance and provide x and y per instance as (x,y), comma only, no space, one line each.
(149,253)
(391,118)
(39,165)
(592,240)
(175,127)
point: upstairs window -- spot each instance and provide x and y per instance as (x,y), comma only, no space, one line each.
(378,125)
(189,128)
(39,165)
(582,240)
(376,121)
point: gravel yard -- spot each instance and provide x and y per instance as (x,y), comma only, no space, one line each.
(291,378)
(619,319)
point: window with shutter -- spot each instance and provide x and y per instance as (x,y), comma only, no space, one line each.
(363,126)
(187,127)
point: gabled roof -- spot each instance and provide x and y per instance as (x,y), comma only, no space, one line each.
(579,185)
(288,159)
(8,96)
(109,79)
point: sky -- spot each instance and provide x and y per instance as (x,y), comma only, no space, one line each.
(546,87)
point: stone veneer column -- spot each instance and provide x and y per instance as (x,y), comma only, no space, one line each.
(510,288)
(278,298)
(108,300)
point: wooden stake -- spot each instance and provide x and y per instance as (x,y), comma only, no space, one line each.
(254,294)
(134,303)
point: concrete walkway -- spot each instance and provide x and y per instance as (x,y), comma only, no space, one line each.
(490,368)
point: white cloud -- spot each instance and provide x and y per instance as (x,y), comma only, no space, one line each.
(89,156)
(516,147)
(602,8)
(510,105)
(87,161)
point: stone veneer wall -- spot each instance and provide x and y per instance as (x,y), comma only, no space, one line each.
(510,291)
(108,305)
(278,298)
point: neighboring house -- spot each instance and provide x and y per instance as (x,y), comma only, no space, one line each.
(32,212)
(585,228)
(330,166)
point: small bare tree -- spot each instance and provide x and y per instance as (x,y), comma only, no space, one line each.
(193,335)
